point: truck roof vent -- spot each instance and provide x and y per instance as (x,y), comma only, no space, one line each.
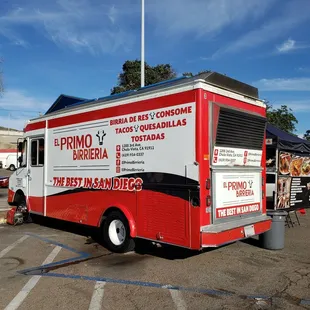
(225,82)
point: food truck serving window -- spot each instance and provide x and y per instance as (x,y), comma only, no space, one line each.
(237,190)
(240,130)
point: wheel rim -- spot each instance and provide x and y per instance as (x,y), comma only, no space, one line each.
(117,232)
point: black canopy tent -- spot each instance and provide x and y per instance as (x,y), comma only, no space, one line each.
(291,182)
(284,141)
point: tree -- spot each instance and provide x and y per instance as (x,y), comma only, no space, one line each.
(307,135)
(283,118)
(130,78)
(190,74)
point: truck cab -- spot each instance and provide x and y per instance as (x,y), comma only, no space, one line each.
(17,189)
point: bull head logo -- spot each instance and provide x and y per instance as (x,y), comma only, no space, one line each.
(250,183)
(101,134)
(136,127)
(152,114)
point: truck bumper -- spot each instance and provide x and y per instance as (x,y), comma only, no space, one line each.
(10,196)
(224,233)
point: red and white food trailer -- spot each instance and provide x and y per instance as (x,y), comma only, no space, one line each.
(180,162)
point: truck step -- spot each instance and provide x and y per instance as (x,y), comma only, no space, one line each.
(216,228)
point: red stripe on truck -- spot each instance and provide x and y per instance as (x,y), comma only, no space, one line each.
(35,126)
(130,108)
(8,150)
(115,111)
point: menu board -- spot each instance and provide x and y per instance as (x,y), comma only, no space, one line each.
(293,186)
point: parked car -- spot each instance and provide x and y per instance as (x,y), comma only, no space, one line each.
(4,181)
(10,162)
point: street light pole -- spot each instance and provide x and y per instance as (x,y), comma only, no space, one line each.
(142,43)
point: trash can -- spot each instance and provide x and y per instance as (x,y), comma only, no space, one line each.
(273,239)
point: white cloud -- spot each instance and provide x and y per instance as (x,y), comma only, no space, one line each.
(112,14)
(303,69)
(108,26)
(82,25)
(16,107)
(287,46)
(17,99)
(289,16)
(104,28)
(281,84)
(12,122)
(200,17)
(291,45)
(13,37)
(296,105)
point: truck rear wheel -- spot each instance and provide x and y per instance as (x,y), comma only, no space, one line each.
(116,233)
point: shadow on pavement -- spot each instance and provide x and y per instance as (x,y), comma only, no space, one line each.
(70,227)
(143,247)
(253,242)
(168,252)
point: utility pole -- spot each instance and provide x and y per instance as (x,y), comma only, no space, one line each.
(142,44)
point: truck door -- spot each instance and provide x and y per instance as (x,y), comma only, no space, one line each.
(236,164)
(36,176)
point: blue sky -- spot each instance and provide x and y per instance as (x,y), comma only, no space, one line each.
(77,47)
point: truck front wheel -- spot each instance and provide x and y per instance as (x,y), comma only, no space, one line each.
(116,233)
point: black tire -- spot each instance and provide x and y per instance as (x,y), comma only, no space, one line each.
(12,167)
(128,244)
(20,200)
(21,205)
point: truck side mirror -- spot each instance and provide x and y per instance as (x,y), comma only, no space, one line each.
(20,146)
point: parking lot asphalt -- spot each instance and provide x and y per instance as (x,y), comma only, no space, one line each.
(3,199)
(4,207)
(82,274)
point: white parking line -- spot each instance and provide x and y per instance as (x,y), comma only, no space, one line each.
(12,246)
(96,300)
(20,297)
(178,300)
